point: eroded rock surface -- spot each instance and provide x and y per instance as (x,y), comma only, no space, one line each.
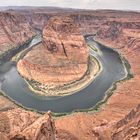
(62,58)
(25,125)
(126,129)
(14,31)
(15,120)
(18,124)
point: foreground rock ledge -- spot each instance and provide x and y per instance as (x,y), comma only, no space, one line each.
(31,126)
(18,124)
(61,58)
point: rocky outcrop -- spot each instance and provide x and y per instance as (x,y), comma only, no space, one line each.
(126,129)
(16,120)
(17,124)
(14,31)
(62,58)
(42,129)
(24,125)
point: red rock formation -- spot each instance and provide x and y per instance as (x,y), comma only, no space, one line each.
(24,125)
(42,129)
(12,36)
(30,126)
(121,33)
(111,122)
(14,121)
(63,57)
(126,129)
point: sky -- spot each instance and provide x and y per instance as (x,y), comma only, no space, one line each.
(80,4)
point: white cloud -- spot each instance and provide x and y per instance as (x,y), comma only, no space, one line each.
(88,4)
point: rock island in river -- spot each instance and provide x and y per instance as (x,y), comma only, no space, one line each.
(61,63)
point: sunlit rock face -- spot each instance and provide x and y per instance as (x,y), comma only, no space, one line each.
(14,31)
(18,124)
(61,58)
(127,128)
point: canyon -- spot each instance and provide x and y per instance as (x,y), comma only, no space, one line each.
(57,60)
(118,118)
(13,36)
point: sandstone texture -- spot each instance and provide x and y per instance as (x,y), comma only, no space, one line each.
(119,118)
(62,58)
(18,124)
(126,129)
(14,31)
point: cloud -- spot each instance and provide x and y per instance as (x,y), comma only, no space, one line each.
(82,4)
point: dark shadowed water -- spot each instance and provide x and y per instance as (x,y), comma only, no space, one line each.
(14,86)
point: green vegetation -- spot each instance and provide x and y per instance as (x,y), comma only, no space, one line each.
(34,85)
(128,68)
(93,48)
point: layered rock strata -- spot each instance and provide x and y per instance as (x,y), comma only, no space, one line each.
(125,129)
(24,125)
(14,31)
(98,125)
(62,58)
(17,124)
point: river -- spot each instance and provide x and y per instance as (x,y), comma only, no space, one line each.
(15,87)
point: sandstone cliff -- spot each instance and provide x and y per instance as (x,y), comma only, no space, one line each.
(62,57)
(126,129)
(14,31)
